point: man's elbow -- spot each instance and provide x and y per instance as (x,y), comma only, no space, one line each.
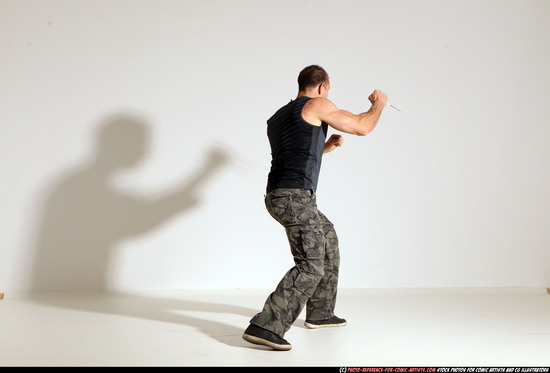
(366,128)
(363,131)
(362,128)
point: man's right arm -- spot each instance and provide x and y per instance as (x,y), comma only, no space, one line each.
(344,121)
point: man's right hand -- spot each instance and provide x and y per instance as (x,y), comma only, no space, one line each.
(378,98)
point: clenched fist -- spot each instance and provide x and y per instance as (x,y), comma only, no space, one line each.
(335,141)
(378,98)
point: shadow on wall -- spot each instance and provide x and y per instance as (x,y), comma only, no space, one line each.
(85,215)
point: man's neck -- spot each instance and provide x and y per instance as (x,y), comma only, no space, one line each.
(308,93)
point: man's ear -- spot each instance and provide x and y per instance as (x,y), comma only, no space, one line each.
(320,88)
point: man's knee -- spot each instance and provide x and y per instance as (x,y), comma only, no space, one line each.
(306,282)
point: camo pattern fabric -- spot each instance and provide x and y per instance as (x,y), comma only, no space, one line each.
(313,281)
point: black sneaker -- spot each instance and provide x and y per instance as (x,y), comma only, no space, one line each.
(260,336)
(328,323)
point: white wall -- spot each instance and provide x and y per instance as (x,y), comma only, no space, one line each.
(451,192)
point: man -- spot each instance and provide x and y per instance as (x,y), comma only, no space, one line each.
(297,134)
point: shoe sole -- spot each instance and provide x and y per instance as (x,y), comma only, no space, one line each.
(320,326)
(261,341)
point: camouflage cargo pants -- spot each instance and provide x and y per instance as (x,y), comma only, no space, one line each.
(313,281)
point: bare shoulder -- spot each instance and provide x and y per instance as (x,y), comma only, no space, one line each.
(316,109)
(320,104)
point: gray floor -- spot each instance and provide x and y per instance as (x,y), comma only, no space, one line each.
(415,327)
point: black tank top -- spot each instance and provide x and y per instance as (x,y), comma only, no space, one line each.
(296,148)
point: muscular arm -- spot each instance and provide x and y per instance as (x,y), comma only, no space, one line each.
(320,109)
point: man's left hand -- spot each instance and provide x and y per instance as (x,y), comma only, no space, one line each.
(335,141)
